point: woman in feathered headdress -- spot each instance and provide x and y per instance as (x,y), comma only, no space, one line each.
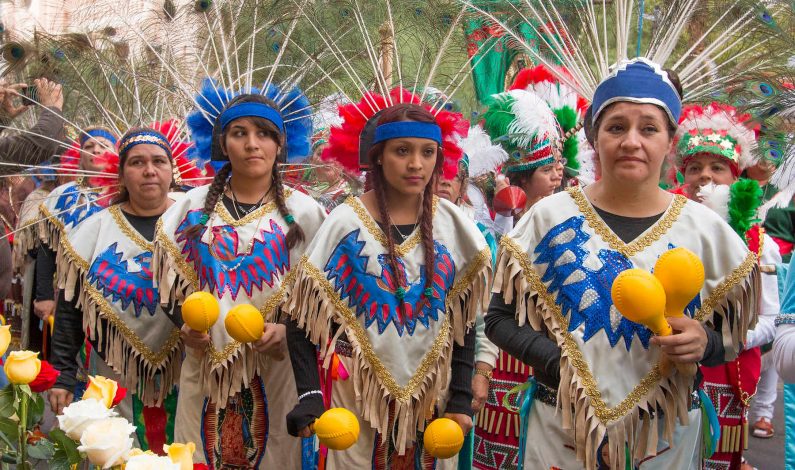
(400,323)
(106,293)
(714,145)
(239,239)
(600,396)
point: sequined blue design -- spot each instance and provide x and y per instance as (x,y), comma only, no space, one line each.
(119,281)
(583,293)
(71,210)
(374,297)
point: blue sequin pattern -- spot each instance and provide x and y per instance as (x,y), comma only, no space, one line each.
(581,288)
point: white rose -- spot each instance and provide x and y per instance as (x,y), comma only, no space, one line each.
(150,462)
(77,416)
(106,443)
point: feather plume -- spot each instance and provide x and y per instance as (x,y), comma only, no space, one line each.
(484,156)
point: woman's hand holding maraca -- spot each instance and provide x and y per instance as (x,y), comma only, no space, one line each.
(272,341)
(463,420)
(687,344)
(194,339)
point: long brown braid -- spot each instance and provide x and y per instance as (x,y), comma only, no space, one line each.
(295,234)
(406,112)
(215,191)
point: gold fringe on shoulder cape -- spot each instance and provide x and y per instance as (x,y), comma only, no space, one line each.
(316,306)
(584,414)
(124,351)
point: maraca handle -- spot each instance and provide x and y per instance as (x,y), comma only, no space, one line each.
(688,369)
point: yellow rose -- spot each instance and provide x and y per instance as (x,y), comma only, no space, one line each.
(5,338)
(181,454)
(22,367)
(101,389)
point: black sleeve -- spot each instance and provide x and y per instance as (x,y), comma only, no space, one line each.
(523,342)
(303,356)
(40,142)
(67,338)
(45,273)
(463,362)
(715,352)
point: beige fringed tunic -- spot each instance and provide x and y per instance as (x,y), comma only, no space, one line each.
(399,367)
(558,265)
(233,400)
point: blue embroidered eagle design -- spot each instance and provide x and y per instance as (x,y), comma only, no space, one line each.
(373,297)
(219,266)
(71,210)
(583,292)
(116,280)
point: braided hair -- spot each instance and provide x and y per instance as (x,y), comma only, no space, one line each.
(378,183)
(295,234)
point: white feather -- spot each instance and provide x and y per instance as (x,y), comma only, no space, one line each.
(484,156)
(587,158)
(533,117)
(716,197)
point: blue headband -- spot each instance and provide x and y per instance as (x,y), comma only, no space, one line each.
(394,130)
(144,137)
(251,109)
(638,81)
(96,133)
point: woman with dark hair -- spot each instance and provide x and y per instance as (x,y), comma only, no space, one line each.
(238,239)
(389,292)
(602,399)
(107,293)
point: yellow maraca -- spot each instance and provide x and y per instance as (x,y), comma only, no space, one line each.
(443,438)
(200,311)
(244,323)
(681,274)
(640,298)
(337,428)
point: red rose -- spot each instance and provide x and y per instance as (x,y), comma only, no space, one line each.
(121,392)
(200,466)
(46,378)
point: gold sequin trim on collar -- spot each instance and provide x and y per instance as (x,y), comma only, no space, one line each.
(639,244)
(224,214)
(402,394)
(128,230)
(589,383)
(375,230)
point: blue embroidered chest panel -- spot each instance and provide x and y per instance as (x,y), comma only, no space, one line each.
(69,208)
(583,291)
(116,279)
(373,297)
(220,268)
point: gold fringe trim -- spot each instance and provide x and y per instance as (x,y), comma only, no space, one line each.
(24,241)
(315,304)
(152,374)
(227,369)
(372,226)
(636,246)
(128,230)
(50,228)
(584,412)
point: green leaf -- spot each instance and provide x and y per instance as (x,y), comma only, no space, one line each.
(35,410)
(7,402)
(26,390)
(65,447)
(42,450)
(10,429)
